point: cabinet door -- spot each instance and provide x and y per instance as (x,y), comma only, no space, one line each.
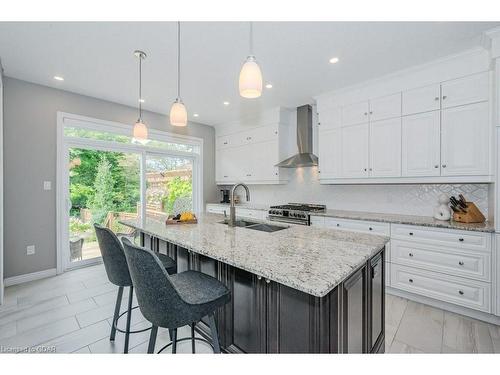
(249,312)
(329,153)
(465,140)
(377,297)
(421,145)
(385,148)
(224,165)
(467,90)
(422,99)
(330,118)
(354,151)
(354,313)
(356,113)
(262,157)
(385,107)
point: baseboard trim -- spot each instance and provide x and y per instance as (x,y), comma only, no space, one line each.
(14,280)
(485,317)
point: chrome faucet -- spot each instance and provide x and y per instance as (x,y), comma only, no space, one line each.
(232,208)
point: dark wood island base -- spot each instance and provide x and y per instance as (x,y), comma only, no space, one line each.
(267,317)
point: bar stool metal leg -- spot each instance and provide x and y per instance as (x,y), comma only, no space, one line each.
(215,336)
(193,349)
(129,316)
(173,337)
(117,312)
(152,339)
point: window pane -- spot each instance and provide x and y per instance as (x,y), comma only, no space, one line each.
(119,138)
(169,186)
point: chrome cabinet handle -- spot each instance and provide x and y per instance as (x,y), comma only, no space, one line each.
(461,263)
(436,98)
(461,239)
(410,280)
(259,277)
(410,254)
(370,228)
(436,166)
(366,113)
(225,143)
(338,225)
(226,176)
(444,97)
(364,169)
(411,233)
(461,292)
(268,281)
(444,165)
(371,112)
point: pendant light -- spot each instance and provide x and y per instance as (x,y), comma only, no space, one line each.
(250,83)
(140,133)
(178,113)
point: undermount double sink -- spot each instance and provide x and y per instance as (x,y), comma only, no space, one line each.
(263,227)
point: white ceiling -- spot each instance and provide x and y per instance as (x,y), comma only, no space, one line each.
(96,59)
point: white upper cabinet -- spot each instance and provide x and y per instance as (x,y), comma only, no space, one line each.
(385,148)
(263,157)
(471,89)
(356,113)
(465,140)
(421,145)
(329,153)
(330,118)
(354,151)
(385,107)
(422,99)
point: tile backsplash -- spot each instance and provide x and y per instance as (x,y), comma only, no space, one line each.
(415,199)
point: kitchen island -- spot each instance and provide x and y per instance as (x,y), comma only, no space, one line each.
(296,290)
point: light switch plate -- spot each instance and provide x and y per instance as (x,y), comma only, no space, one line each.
(47,185)
(30,250)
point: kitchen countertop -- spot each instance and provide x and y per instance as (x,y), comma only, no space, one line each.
(311,260)
(425,221)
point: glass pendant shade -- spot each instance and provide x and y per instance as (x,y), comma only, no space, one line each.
(178,114)
(140,131)
(250,83)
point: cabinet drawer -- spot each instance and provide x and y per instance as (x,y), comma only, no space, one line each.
(216,209)
(464,292)
(442,237)
(382,229)
(450,261)
(317,221)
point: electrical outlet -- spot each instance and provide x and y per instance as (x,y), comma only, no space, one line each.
(30,250)
(47,185)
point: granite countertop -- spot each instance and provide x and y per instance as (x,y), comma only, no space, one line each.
(425,221)
(312,260)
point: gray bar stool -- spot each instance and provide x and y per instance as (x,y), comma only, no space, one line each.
(117,271)
(173,301)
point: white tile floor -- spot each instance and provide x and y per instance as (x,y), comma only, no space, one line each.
(72,313)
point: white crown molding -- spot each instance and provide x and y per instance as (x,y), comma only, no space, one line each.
(14,280)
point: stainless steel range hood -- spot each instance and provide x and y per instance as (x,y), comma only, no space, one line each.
(305,157)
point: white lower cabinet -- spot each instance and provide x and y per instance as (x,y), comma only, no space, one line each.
(243,212)
(460,291)
(446,265)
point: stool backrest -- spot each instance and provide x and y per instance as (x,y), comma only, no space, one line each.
(113,256)
(159,301)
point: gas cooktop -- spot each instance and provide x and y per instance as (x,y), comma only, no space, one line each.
(295,213)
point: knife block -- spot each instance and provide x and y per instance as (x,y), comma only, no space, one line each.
(473,215)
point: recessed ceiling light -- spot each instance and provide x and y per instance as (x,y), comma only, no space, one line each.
(269,86)
(58,78)
(226,103)
(141,100)
(334,60)
(195,115)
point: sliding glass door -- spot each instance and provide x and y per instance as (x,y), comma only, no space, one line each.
(104,188)
(104,177)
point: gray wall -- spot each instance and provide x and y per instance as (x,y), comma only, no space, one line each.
(30,158)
